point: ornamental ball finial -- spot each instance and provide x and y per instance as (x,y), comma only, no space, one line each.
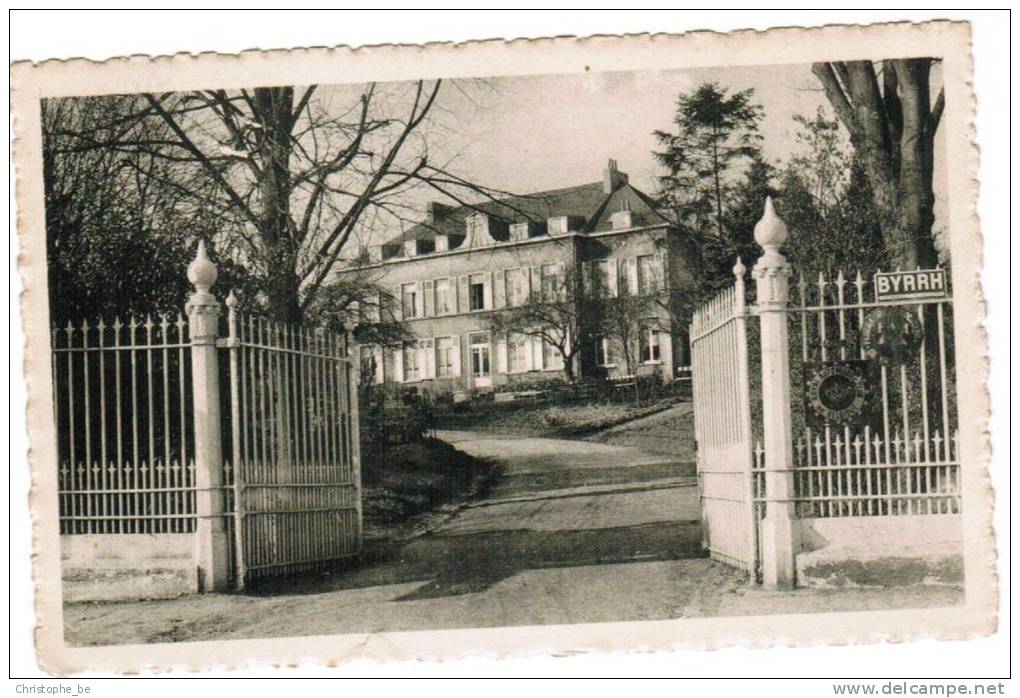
(739,269)
(201,271)
(231,299)
(770,231)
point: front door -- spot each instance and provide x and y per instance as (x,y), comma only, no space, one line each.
(481,364)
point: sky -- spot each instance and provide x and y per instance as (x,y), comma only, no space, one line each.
(534,133)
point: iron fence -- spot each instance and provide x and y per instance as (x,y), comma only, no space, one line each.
(122,402)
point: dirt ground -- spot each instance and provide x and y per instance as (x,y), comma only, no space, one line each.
(571,532)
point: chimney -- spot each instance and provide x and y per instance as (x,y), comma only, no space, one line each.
(612,178)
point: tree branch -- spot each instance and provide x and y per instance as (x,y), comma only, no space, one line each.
(201,157)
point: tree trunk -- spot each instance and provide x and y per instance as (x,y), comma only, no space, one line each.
(718,191)
(568,368)
(273,110)
(913,244)
(893,130)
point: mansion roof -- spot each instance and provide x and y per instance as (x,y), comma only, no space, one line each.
(610,204)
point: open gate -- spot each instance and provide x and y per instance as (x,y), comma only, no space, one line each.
(855,414)
(294,447)
(722,428)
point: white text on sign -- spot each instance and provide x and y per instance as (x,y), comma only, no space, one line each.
(921,283)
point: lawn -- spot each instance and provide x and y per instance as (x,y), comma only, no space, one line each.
(560,420)
(402,482)
(670,433)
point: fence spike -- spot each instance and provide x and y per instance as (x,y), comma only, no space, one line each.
(937,440)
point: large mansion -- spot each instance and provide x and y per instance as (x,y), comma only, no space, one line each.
(447,276)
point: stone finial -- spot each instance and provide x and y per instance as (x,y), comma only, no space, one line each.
(739,269)
(770,231)
(202,272)
(231,300)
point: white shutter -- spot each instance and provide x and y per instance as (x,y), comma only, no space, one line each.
(463,303)
(429,294)
(376,312)
(632,275)
(500,348)
(660,271)
(427,358)
(536,281)
(455,355)
(525,284)
(613,272)
(499,289)
(377,352)
(487,292)
(398,364)
(536,351)
(398,306)
(419,299)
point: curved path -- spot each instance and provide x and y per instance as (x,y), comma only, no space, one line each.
(572,532)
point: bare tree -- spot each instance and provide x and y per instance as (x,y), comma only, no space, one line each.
(558,314)
(296,174)
(888,112)
(357,301)
(119,225)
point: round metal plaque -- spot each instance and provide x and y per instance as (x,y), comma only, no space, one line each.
(836,393)
(892,335)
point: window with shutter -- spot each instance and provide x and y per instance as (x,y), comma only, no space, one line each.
(429,295)
(648,277)
(380,375)
(446,303)
(517,353)
(632,276)
(445,356)
(499,289)
(477,292)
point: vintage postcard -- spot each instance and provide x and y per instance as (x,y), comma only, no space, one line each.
(540,346)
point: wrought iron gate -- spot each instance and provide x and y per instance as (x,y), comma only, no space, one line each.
(293,445)
(722,425)
(146,409)
(891,447)
(856,405)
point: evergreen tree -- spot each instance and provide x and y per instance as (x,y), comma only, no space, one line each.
(715,133)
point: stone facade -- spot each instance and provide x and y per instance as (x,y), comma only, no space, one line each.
(446,277)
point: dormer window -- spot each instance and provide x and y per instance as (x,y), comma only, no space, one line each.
(558,225)
(476,225)
(519,231)
(621,220)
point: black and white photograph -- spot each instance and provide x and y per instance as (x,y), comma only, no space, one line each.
(680,342)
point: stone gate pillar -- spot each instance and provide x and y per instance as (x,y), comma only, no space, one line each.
(211,542)
(779,532)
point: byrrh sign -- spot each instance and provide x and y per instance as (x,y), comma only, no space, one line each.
(899,285)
